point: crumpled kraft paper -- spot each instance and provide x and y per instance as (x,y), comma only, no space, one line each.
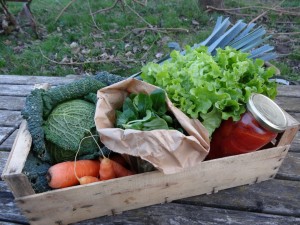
(169,151)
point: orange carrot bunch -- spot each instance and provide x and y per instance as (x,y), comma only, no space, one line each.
(72,173)
(67,174)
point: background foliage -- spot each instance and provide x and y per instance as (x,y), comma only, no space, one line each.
(125,35)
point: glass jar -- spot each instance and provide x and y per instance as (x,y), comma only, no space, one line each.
(258,126)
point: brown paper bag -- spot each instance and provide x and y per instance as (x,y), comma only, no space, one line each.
(168,150)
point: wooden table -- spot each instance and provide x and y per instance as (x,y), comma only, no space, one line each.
(275,201)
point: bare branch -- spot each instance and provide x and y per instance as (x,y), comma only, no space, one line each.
(108,8)
(141,3)
(154,29)
(265,12)
(287,33)
(95,24)
(281,11)
(64,9)
(136,13)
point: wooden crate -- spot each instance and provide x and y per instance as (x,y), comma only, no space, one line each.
(78,203)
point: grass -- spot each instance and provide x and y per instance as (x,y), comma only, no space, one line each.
(112,35)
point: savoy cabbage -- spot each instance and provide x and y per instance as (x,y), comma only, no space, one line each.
(68,128)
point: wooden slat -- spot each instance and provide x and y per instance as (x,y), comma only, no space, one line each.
(296,115)
(5,132)
(9,211)
(3,159)
(12,103)
(295,147)
(9,223)
(4,187)
(10,118)
(289,104)
(15,90)
(289,90)
(31,80)
(288,136)
(290,168)
(8,143)
(176,214)
(272,196)
(20,149)
(12,172)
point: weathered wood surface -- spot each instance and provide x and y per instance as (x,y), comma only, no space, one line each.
(6,103)
(290,168)
(31,80)
(5,132)
(274,201)
(265,197)
(10,118)
(8,143)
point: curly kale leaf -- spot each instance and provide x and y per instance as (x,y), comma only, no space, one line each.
(108,78)
(91,97)
(33,113)
(35,169)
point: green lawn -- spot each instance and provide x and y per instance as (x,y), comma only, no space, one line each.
(117,40)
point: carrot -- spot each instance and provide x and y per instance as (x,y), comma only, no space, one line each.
(120,170)
(63,174)
(88,180)
(106,170)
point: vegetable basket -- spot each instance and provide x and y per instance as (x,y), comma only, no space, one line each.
(115,196)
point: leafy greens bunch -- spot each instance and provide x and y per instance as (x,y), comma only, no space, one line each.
(144,112)
(211,88)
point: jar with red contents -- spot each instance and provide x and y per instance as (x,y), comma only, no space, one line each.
(258,126)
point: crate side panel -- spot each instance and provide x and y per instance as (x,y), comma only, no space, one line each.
(288,136)
(20,149)
(114,196)
(12,172)
(19,185)
(292,129)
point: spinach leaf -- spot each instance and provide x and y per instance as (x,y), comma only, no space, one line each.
(143,103)
(124,117)
(144,119)
(145,112)
(158,98)
(155,124)
(138,125)
(133,124)
(168,119)
(128,105)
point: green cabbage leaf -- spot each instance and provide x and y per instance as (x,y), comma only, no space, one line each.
(69,128)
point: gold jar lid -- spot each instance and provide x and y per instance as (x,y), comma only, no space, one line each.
(267,113)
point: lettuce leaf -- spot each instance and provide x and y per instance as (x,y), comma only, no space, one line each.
(211,88)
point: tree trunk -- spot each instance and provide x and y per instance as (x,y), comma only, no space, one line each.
(215,3)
